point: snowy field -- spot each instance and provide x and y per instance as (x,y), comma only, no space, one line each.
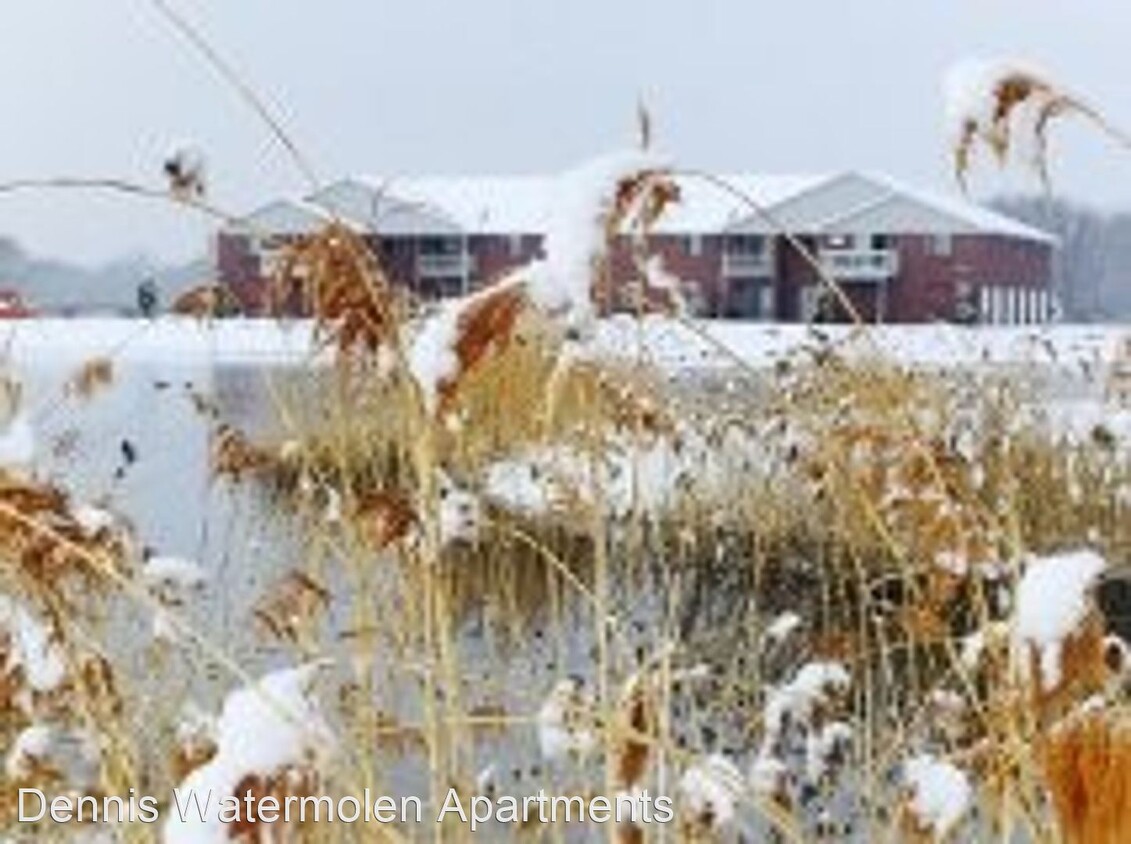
(666,343)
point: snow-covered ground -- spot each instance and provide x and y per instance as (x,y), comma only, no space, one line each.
(33,342)
(674,346)
(667,343)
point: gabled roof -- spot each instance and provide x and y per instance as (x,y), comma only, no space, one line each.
(286,217)
(978,218)
(508,205)
(523,204)
(872,202)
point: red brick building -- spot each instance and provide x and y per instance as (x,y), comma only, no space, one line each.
(901,254)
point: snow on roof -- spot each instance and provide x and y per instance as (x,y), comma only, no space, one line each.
(510,204)
(525,204)
(706,208)
(978,217)
(286,217)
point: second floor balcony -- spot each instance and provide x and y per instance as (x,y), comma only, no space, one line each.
(443,264)
(747,264)
(860,264)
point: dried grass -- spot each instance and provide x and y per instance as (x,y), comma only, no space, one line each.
(334,276)
(1087,766)
(92,377)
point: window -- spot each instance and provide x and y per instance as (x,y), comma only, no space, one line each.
(514,245)
(838,241)
(688,244)
(881,242)
(940,245)
(440,245)
(746,244)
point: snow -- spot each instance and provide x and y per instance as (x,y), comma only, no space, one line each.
(524,204)
(17,443)
(518,486)
(93,520)
(31,746)
(953,209)
(583,202)
(940,793)
(173,571)
(674,348)
(768,775)
(1052,601)
(287,217)
(459,513)
(263,728)
(711,788)
(780,628)
(795,702)
(431,355)
(196,726)
(821,745)
(167,340)
(34,649)
(631,475)
(560,736)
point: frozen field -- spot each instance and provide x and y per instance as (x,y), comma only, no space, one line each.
(664,342)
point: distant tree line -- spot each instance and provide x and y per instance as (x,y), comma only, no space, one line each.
(1092,267)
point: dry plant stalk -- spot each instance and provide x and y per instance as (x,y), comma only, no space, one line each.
(293,602)
(206,301)
(1017,94)
(39,536)
(636,721)
(335,276)
(484,329)
(1084,671)
(94,375)
(235,456)
(1087,767)
(290,782)
(385,517)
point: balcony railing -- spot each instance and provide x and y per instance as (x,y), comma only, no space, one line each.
(860,264)
(747,265)
(443,265)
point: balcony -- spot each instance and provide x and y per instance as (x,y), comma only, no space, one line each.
(443,265)
(860,264)
(747,265)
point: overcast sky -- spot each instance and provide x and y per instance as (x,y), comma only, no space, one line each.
(103,87)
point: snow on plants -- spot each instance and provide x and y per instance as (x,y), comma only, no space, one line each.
(940,793)
(563,721)
(263,728)
(584,206)
(710,790)
(1052,602)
